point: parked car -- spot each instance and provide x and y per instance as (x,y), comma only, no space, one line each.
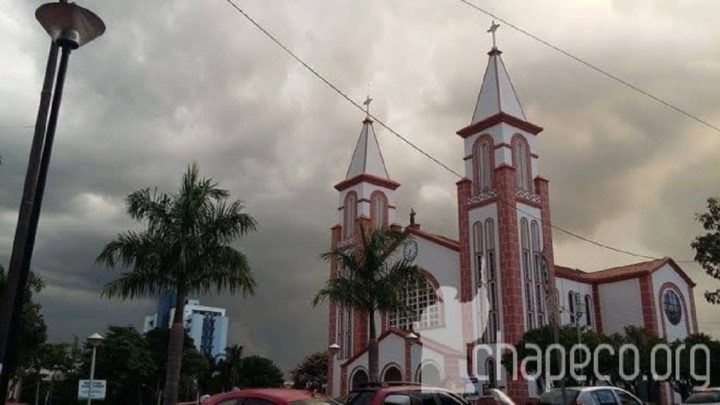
(494,396)
(269,396)
(590,396)
(402,394)
(708,396)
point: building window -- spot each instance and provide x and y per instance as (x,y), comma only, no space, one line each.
(493,324)
(208,333)
(345,323)
(422,301)
(588,310)
(527,273)
(483,163)
(571,306)
(537,277)
(672,307)
(478,252)
(379,209)
(349,214)
(521,162)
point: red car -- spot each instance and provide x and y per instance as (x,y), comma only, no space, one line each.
(268,396)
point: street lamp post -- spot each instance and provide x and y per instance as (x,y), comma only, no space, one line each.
(70,27)
(94,340)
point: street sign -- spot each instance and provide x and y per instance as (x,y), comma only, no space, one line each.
(98,389)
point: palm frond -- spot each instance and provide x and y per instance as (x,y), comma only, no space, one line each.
(341,290)
(137,283)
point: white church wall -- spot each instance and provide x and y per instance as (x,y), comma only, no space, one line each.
(667,274)
(620,305)
(392,351)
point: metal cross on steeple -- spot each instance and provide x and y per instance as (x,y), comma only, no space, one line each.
(492,30)
(366,103)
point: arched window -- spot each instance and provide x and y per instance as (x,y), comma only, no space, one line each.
(478,252)
(349,214)
(588,310)
(378,209)
(521,162)
(571,306)
(392,374)
(527,272)
(422,301)
(429,375)
(536,261)
(359,378)
(345,324)
(483,163)
(672,307)
(493,324)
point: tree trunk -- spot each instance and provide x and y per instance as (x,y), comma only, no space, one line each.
(175,349)
(373,351)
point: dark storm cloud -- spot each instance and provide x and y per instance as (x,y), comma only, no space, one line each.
(173,82)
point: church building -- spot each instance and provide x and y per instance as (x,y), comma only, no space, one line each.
(488,284)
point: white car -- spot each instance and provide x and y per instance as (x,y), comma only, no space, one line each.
(590,396)
(709,396)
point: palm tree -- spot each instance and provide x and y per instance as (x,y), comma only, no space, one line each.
(370,283)
(184,248)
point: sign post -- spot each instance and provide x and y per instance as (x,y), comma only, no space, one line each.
(97,391)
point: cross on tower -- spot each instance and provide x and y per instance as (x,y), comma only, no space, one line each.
(493,27)
(366,103)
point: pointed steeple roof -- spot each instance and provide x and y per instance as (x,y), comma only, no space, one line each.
(367,157)
(497,101)
(367,163)
(497,93)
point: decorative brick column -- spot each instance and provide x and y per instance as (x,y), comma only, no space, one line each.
(336,233)
(648,304)
(464,190)
(596,307)
(513,324)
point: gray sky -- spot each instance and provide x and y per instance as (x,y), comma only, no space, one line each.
(175,81)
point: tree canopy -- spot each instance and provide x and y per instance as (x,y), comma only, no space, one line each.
(707,246)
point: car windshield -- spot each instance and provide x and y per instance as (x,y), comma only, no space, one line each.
(703,397)
(554,397)
(360,398)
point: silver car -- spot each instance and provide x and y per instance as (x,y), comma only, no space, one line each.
(590,396)
(709,396)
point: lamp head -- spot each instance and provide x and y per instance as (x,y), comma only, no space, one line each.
(69,25)
(95,339)
(334,348)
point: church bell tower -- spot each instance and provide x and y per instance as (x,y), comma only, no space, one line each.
(504,216)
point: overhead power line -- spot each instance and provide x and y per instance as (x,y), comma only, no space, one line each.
(593,67)
(16,126)
(357,105)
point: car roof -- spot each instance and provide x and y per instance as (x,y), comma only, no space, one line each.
(399,388)
(278,394)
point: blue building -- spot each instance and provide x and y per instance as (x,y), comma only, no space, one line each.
(208,326)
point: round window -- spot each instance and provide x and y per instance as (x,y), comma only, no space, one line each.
(672,306)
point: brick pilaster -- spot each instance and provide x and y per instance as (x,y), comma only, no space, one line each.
(648,304)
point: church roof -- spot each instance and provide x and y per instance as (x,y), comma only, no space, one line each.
(619,273)
(497,94)
(367,158)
